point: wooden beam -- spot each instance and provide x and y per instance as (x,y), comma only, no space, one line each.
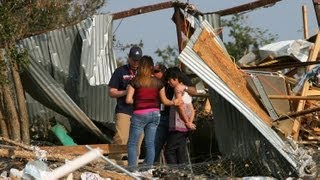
(81,149)
(154,7)
(142,10)
(59,153)
(245,7)
(299,113)
(305,22)
(178,22)
(294,97)
(282,65)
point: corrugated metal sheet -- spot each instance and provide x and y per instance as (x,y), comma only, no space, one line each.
(81,60)
(46,90)
(239,131)
(212,19)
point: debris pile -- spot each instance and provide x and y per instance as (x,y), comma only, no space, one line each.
(285,77)
(26,162)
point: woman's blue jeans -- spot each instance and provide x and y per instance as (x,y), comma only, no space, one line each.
(142,122)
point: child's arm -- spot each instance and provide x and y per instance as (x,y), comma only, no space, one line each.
(180,108)
(182,111)
(193,113)
(190,124)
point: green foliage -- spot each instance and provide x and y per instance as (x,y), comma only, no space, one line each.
(13,54)
(169,56)
(20,56)
(22,18)
(245,38)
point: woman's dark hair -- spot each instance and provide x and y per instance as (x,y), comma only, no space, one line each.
(160,68)
(174,73)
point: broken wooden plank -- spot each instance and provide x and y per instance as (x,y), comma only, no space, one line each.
(81,149)
(29,155)
(299,113)
(308,142)
(294,97)
(24,146)
(314,138)
(72,150)
(267,60)
(285,65)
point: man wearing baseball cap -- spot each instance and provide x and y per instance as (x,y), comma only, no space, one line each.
(118,89)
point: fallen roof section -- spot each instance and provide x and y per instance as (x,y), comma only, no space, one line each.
(241,126)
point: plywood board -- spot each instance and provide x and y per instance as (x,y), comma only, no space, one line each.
(212,54)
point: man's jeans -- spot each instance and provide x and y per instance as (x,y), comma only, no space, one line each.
(122,125)
(142,122)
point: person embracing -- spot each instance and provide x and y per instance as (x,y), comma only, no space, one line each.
(161,72)
(180,121)
(145,92)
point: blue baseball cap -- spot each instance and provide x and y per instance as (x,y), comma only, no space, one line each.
(135,53)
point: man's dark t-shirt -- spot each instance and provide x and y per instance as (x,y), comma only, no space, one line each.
(120,80)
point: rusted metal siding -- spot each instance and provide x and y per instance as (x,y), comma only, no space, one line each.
(81,60)
(239,131)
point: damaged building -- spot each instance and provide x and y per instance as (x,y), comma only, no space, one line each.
(258,122)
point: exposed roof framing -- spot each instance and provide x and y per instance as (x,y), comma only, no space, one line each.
(191,10)
(154,7)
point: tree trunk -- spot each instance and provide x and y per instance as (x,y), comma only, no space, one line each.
(3,125)
(9,107)
(14,125)
(24,121)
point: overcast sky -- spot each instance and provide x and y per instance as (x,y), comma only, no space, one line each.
(156,29)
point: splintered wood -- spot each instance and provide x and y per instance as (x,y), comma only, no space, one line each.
(219,62)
